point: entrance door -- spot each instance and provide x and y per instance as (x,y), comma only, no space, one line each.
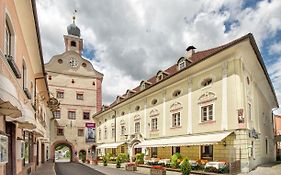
(11,165)
(42,153)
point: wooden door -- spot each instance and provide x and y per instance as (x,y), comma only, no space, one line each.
(11,165)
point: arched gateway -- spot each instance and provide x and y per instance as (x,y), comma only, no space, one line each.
(73,156)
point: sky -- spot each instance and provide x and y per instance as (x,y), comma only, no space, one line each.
(130,40)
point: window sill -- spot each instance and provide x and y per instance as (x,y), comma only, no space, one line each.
(155,130)
(207,122)
(175,127)
(13,66)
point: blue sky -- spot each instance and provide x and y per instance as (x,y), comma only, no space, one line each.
(130,40)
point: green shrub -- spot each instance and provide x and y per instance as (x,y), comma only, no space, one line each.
(175,160)
(118,161)
(185,167)
(105,159)
(140,158)
(123,156)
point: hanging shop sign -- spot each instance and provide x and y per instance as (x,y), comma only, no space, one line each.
(91,132)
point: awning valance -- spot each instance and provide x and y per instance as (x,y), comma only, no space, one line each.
(203,139)
(110,145)
(9,103)
(27,121)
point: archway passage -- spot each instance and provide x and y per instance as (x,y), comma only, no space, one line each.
(62,151)
(82,155)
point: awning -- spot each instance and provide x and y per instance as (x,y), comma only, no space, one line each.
(110,145)
(9,103)
(27,121)
(203,139)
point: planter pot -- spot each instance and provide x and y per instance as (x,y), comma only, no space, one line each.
(131,168)
(154,171)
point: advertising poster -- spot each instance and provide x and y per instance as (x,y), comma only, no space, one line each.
(91,132)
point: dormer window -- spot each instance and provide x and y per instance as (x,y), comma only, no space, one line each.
(119,98)
(129,93)
(73,44)
(144,85)
(181,63)
(207,82)
(161,75)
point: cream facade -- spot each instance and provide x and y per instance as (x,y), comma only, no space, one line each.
(214,104)
(24,115)
(77,85)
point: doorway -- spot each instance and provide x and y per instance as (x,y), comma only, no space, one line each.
(11,165)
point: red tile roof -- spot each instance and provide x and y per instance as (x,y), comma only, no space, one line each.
(196,58)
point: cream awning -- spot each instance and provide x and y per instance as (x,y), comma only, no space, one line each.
(9,103)
(27,121)
(203,139)
(110,145)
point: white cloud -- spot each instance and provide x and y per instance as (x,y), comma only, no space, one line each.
(133,39)
(275,48)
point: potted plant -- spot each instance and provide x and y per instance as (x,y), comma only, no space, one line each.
(185,167)
(175,160)
(118,161)
(105,160)
(140,158)
(157,170)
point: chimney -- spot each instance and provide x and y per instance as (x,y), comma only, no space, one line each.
(189,51)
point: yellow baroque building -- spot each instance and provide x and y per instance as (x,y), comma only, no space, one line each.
(214,105)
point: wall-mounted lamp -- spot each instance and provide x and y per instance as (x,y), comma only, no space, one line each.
(224,143)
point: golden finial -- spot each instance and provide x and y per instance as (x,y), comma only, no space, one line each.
(74,17)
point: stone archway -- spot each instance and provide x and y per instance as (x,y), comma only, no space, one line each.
(73,156)
(132,150)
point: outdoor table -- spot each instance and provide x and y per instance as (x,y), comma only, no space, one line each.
(164,161)
(217,165)
(193,162)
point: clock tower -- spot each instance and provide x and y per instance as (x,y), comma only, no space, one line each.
(72,40)
(73,80)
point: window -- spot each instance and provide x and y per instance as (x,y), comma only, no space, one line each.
(105,132)
(159,77)
(86,115)
(122,113)
(57,114)
(84,64)
(123,130)
(80,132)
(8,40)
(137,108)
(176,93)
(176,149)
(154,124)
(60,61)
(73,43)
(60,94)
(154,102)
(114,151)
(27,147)
(79,96)
(252,149)
(206,82)
(182,65)
(24,75)
(154,152)
(250,111)
(207,113)
(99,134)
(113,132)
(60,132)
(137,127)
(207,152)
(266,146)
(72,115)
(122,149)
(176,119)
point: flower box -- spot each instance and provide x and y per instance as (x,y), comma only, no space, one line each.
(131,167)
(157,170)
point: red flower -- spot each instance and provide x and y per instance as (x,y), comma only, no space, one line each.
(158,167)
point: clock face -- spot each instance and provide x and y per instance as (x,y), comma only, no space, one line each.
(73,62)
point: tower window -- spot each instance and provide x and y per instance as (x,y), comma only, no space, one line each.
(73,43)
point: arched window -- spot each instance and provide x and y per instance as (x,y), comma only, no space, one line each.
(207,82)
(9,38)
(73,43)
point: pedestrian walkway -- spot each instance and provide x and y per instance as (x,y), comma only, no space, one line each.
(110,169)
(273,168)
(46,168)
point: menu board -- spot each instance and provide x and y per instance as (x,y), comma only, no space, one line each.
(3,149)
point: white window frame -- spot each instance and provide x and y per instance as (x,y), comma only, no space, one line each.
(105,133)
(182,65)
(200,112)
(123,130)
(8,20)
(152,126)
(99,134)
(249,108)
(177,120)
(113,132)
(139,127)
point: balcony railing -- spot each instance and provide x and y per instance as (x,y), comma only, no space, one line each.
(13,66)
